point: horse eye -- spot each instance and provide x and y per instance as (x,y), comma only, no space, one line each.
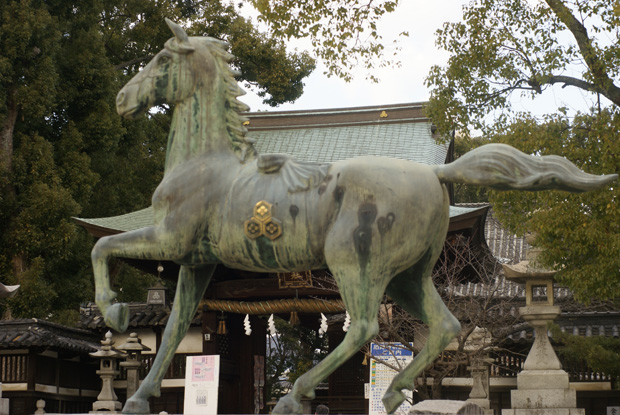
(163,60)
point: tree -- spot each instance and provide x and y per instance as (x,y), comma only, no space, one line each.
(599,353)
(502,48)
(579,233)
(63,149)
(343,34)
(291,352)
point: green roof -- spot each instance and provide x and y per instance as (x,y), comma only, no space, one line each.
(409,141)
(142,218)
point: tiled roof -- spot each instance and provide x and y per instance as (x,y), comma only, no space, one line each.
(408,141)
(27,333)
(140,316)
(122,223)
(507,247)
(141,218)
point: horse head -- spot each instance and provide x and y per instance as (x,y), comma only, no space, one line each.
(172,75)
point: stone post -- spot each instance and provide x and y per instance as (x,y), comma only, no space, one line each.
(480,391)
(107,401)
(4,403)
(542,385)
(133,347)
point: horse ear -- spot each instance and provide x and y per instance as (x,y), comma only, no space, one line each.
(180,35)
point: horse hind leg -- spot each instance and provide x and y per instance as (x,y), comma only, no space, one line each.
(191,287)
(361,291)
(415,292)
(139,244)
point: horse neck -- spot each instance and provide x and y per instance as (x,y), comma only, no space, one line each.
(198,127)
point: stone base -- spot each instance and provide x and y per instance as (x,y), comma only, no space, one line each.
(485,404)
(445,407)
(543,389)
(111,407)
(4,406)
(542,379)
(545,411)
(543,398)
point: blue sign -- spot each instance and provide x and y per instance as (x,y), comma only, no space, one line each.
(390,350)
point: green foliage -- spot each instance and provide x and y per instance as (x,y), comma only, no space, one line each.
(466,193)
(579,233)
(343,34)
(599,353)
(503,47)
(65,152)
(290,354)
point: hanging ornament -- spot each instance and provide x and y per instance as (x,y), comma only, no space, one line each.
(246,325)
(323,327)
(294,320)
(221,328)
(271,326)
(347,323)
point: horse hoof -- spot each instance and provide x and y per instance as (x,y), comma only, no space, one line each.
(136,406)
(392,400)
(117,317)
(287,405)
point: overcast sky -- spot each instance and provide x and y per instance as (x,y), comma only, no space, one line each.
(406,84)
(401,85)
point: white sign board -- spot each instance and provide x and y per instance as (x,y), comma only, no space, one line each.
(613,410)
(202,376)
(395,354)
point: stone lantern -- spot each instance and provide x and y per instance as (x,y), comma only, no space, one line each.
(133,347)
(107,401)
(542,385)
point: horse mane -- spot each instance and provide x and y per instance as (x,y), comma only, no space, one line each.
(242,145)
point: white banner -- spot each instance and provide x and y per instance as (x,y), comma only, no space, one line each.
(202,377)
(397,355)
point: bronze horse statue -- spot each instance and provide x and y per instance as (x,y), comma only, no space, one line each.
(378,224)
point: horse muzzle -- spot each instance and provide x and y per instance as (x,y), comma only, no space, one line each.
(127,103)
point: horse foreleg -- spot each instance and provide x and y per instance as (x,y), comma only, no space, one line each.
(191,287)
(418,296)
(143,243)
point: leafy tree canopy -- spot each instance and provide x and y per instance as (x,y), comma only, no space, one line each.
(579,233)
(503,48)
(63,149)
(515,46)
(343,34)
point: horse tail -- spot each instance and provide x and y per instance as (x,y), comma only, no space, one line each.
(503,167)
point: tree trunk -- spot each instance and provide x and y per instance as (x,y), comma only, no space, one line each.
(6,139)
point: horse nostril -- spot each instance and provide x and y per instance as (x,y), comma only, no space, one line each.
(120,98)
